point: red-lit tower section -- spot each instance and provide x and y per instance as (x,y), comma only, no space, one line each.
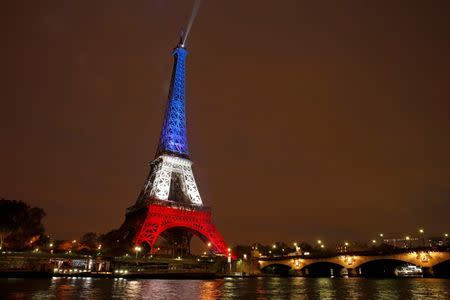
(169,205)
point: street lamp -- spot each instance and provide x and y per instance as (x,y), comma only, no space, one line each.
(374,241)
(229,258)
(274,246)
(446,235)
(319,242)
(137,249)
(421,231)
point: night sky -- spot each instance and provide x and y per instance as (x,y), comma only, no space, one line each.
(319,119)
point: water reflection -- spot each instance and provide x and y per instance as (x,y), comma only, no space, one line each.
(233,288)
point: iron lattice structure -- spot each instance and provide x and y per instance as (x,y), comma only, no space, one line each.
(173,139)
(171,178)
(169,204)
(161,218)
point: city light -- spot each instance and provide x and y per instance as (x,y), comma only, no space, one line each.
(407,238)
(346,243)
(374,241)
(209,244)
(421,231)
(381,235)
(74,241)
(319,242)
(446,234)
(274,246)
(137,249)
(322,246)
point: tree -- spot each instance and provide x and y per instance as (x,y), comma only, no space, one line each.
(90,239)
(19,223)
(113,243)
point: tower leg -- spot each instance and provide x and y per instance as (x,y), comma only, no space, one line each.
(162,218)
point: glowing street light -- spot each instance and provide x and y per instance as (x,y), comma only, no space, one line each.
(322,246)
(137,249)
(274,246)
(381,235)
(374,241)
(319,242)
(209,244)
(421,231)
(346,244)
(446,235)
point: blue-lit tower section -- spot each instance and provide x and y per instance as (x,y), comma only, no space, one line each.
(171,177)
(173,139)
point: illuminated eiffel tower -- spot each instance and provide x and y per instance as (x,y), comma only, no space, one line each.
(169,204)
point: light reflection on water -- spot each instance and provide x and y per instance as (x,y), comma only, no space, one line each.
(236,288)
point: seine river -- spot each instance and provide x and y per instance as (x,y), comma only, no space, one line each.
(253,288)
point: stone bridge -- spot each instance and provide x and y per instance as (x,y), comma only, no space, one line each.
(424,259)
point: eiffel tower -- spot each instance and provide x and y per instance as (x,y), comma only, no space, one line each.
(169,204)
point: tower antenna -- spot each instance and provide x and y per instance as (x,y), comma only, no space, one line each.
(182,39)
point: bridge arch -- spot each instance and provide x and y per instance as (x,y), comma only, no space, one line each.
(322,269)
(382,267)
(332,261)
(276,269)
(442,269)
(397,260)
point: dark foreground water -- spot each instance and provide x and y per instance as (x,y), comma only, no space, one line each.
(254,288)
